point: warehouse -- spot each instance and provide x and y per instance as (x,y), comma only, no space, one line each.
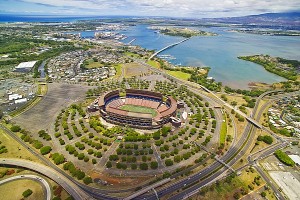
(25,66)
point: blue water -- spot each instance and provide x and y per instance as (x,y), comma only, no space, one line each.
(221,52)
(41,18)
(85,34)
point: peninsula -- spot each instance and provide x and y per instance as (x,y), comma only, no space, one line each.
(183,32)
(289,69)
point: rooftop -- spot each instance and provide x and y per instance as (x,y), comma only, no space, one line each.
(27,65)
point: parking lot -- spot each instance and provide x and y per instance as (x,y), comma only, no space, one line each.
(44,113)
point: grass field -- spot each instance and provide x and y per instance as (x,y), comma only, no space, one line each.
(133,55)
(223,131)
(179,74)
(13,190)
(93,64)
(153,63)
(226,190)
(118,68)
(15,150)
(139,109)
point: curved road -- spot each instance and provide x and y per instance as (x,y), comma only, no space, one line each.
(77,190)
(68,185)
(212,172)
(42,181)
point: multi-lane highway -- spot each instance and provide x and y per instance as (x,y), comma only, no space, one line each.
(198,180)
(39,179)
(212,172)
(92,192)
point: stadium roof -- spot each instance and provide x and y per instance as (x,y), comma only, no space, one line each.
(26,65)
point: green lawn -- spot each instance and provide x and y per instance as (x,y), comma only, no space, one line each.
(118,68)
(223,131)
(139,109)
(93,64)
(179,74)
(133,55)
(153,63)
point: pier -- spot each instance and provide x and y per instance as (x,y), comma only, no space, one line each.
(167,47)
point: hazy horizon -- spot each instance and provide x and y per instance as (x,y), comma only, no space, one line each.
(145,8)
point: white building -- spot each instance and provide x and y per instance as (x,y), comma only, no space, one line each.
(25,66)
(14,97)
(20,100)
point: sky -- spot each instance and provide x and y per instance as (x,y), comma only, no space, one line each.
(173,8)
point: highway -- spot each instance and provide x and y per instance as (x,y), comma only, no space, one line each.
(81,191)
(213,170)
(264,154)
(93,192)
(231,156)
(39,179)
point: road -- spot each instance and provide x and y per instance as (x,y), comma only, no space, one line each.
(211,172)
(231,156)
(41,180)
(85,192)
(75,191)
(93,192)
(269,182)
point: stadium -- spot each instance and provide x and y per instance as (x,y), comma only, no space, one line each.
(137,108)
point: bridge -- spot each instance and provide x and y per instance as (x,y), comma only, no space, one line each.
(129,43)
(167,47)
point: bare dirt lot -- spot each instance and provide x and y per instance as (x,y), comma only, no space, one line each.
(134,69)
(44,113)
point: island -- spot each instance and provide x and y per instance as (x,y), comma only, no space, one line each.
(288,69)
(267,32)
(183,32)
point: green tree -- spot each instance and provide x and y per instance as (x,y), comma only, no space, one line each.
(143,166)
(168,162)
(87,180)
(108,164)
(15,128)
(263,194)
(27,193)
(154,165)
(45,150)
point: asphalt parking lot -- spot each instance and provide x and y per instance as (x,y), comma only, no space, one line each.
(59,96)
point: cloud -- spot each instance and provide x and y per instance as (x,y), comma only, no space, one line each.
(180,8)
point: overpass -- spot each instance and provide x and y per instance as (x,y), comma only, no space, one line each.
(146,189)
(215,157)
(251,120)
(167,47)
(197,86)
